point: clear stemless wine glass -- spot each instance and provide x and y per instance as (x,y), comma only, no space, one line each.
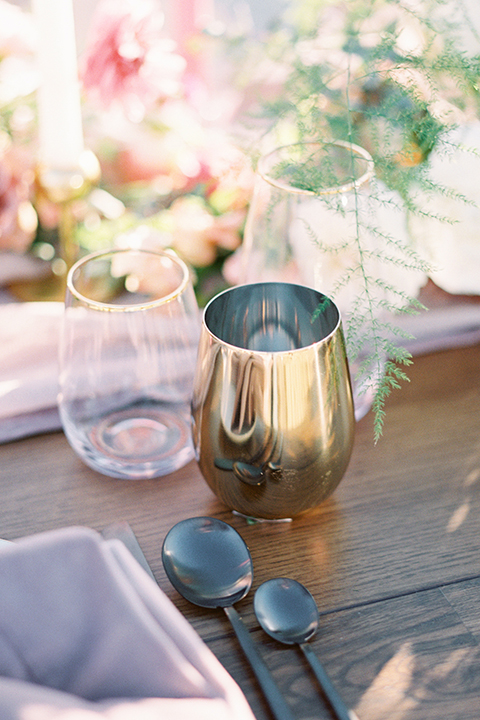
(127,357)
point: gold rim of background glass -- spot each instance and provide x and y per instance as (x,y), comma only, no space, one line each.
(337,189)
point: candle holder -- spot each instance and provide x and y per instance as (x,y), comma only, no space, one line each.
(63,187)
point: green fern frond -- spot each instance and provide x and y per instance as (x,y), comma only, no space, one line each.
(382,98)
(391,380)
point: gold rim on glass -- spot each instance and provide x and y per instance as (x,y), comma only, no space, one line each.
(356,183)
(130,307)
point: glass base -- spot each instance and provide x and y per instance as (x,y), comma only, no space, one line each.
(134,443)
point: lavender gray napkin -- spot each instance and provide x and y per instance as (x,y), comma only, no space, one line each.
(85,633)
(29,334)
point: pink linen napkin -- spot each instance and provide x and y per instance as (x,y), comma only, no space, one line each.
(29,334)
(86,633)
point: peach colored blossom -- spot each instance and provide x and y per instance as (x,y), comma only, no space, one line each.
(197,234)
(145,154)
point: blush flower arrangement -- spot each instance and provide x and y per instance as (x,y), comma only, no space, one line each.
(165,166)
(176,174)
(18,219)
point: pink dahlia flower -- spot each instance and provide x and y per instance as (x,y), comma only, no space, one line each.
(128,60)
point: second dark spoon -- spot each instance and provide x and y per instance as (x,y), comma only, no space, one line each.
(287,611)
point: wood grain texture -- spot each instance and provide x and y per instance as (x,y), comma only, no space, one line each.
(465,599)
(406,515)
(392,558)
(408,658)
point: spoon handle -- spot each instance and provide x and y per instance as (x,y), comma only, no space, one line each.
(275,699)
(338,706)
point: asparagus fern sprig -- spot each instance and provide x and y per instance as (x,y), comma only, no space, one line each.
(398,99)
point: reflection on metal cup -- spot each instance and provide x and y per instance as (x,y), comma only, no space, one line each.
(272,407)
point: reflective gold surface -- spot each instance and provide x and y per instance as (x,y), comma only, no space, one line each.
(272,406)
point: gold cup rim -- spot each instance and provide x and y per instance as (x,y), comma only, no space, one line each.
(277,353)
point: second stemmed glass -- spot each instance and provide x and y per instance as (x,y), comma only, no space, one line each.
(311,201)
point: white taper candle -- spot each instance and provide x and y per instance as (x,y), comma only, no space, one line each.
(58,95)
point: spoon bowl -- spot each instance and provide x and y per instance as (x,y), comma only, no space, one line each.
(287,611)
(208,562)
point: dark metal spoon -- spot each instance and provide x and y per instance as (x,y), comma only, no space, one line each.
(208,562)
(287,611)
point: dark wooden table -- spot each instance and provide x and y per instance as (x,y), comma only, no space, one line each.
(393,558)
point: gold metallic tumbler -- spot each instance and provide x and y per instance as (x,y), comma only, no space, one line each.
(273,419)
